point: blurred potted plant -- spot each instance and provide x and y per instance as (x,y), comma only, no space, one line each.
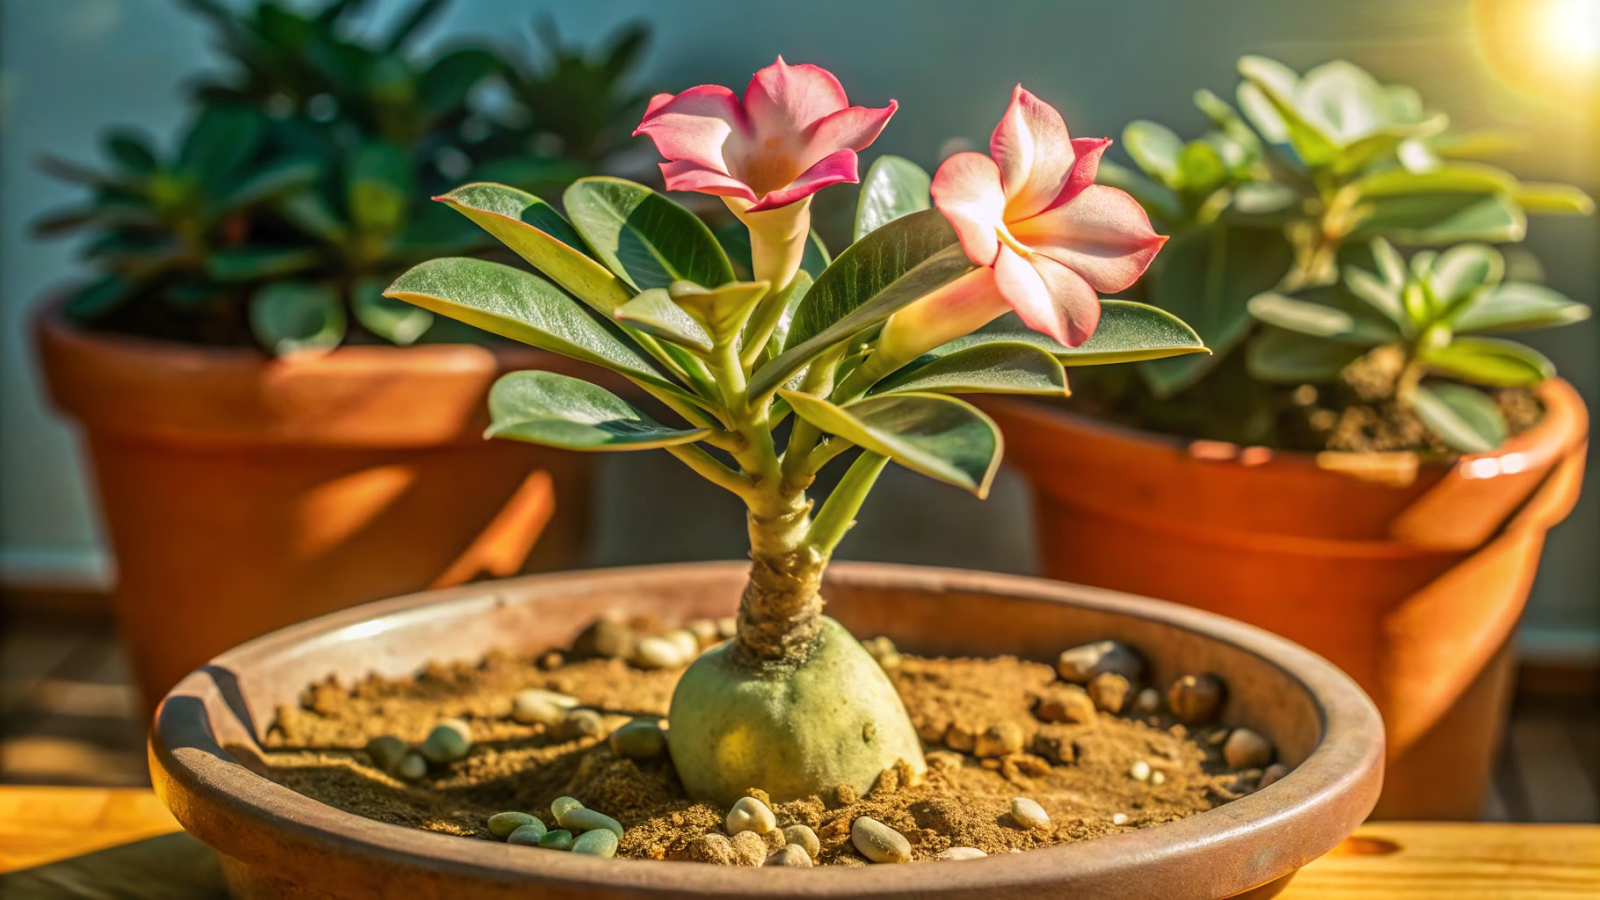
(239,302)
(1354,467)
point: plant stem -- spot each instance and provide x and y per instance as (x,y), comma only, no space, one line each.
(706,466)
(838,513)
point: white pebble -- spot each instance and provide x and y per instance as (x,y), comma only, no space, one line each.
(790,855)
(1158,777)
(1139,771)
(537,707)
(961,853)
(727,627)
(878,842)
(750,814)
(1119,819)
(659,653)
(688,645)
(1148,701)
(1028,813)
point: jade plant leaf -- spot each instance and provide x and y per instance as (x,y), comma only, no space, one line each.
(997,367)
(1515,306)
(524,307)
(1489,361)
(1156,150)
(643,237)
(393,320)
(1288,357)
(536,232)
(290,317)
(654,313)
(1128,332)
(1346,322)
(1462,271)
(941,437)
(894,187)
(253,263)
(1444,218)
(559,411)
(720,311)
(1464,418)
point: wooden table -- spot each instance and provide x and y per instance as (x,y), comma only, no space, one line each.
(67,836)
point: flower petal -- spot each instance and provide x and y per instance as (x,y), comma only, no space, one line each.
(1085,166)
(704,125)
(967,190)
(1034,152)
(1102,234)
(783,100)
(1048,296)
(832,169)
(855,127)
(683,175)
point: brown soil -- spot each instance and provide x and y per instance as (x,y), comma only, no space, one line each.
(1079,773)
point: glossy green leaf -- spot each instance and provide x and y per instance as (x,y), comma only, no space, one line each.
(251,264)
(536,232)
(1456,178)
(1515,306)
(379,187)
(1128,332)
(1157,199)
(1278,355)
(1444,218)
(996,367)
(1376,293)
(524,307)
(447,82)
(290,317)
(219,142)
(654,313)
(1320,314)
(1462,271)
(268,181)
(1206,277)
(1464,418)
(642,237)
(1156,149)
(131,150)
(393,320)
(309,212)
(1202,167)
(1262,197)
(939,436)
(99,298)
(720,311)
(559,411)
(1489,361)
(894,187)
(1559,199)
(1269,100)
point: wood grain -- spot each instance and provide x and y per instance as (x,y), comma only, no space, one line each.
(39,825)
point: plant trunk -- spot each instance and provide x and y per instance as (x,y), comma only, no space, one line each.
(779,613)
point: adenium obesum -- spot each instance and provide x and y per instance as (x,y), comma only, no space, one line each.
(867,355)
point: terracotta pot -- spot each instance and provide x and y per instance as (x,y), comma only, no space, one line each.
(242,494)
(1408,576)
(274,842)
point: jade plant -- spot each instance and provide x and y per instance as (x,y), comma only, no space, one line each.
(1280,198)
(995,290)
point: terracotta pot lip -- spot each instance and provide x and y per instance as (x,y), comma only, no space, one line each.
(1347,759)
(1560,426)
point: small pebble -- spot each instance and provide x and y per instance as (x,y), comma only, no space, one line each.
(878,842)
(803,837)
(578,819)
(749,849)
(639,739)
(1272,773)
(704,630)
(790,855)
(998,740)
(1195,699)
(659,653)
(606,637)
(599,842)
(386,751)
(532,834)
(685,640)
(1148,701)
(562,804)
(449,741)
(1245,749)
(750,814)
(1158,777)
(502,824)
(884,651)
(1139,771)
(552,661)
(560,839)
(961,853)
(1081,664)
(710,848)
(1109,691)
(536,707)
(960,737)
(581,723)
(1119,819)
(1028,813)
(1065,703)
(727,627)
(412,767)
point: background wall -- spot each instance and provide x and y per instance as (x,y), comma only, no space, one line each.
(70,67)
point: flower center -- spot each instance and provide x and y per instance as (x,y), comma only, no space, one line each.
(1010,240)
(771,167)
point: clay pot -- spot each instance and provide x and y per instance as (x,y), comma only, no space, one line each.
(242,494)
(1408,576)
(273,842)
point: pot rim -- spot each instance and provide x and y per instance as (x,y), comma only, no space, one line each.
(1327,795)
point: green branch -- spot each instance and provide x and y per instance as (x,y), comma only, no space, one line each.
(838,514)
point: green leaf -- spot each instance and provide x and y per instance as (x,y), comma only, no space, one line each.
(1443,219)
(643,237)
(894,187)
(1156,149)
(221,140)
(1456,178)
(1262,197)
(1202,167)
(1489,361)
(1277,85)
(99,298)
(393,320)
(787,302)
(379,188)
(941,437)
(996,367)
(1277,355)
(1463,270)
(131,150)
(1128,332)
(1464,418)
(1157,199)
(524,307)
(1206,278)
(558,411)
(267,182)
(1343,322)
(251,264)
(654,313)
(309,212)
(536,232)
(1515,306)
(721,311)
(1378,294)
(291,317)
(447,82)
(1559,199)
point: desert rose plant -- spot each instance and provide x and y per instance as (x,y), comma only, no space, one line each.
(996,290)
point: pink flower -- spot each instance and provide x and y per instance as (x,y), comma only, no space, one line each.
(1049,239)
(792,134)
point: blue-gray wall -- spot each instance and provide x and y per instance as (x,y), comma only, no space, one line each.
(69,67)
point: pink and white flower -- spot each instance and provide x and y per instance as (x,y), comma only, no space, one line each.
(1047,239)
